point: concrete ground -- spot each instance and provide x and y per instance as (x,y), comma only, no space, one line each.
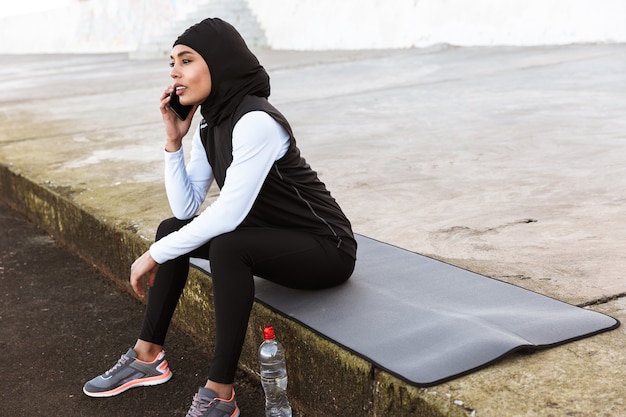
(505,161)
(63,322)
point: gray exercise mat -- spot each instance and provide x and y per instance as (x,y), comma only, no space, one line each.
(426,321)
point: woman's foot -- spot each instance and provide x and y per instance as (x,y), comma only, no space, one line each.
(147,351)
(129,372)
(206,403)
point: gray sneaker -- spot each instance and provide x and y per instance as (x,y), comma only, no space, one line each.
(127,373)
(206,404)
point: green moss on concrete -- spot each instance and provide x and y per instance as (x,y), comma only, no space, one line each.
(393,397)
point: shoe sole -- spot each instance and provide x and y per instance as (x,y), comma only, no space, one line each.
(143,382)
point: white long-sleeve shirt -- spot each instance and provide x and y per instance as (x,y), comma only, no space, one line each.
(258,141)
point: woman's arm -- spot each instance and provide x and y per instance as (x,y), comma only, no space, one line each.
(186,185)
(258,141)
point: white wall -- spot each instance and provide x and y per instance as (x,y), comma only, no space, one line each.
(121,25)
(86,25)
(362,24)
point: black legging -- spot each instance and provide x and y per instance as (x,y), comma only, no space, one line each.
(290,258)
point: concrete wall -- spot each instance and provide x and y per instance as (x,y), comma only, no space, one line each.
(89,26)
(69,26)
(365,24)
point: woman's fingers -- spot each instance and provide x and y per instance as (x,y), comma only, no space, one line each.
(144,265)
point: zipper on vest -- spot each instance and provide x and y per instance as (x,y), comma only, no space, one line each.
(320,218)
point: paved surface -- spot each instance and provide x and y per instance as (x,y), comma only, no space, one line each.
(62,323)
(505,161)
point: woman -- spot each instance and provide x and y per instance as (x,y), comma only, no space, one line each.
(273,218)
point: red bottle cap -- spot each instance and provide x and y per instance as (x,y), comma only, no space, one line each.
(268,333)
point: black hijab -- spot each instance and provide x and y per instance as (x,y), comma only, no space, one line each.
(235,71)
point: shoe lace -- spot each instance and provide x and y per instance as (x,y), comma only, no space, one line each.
(199,405)
(121,361)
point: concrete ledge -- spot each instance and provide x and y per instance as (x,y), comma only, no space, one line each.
(324,379)
(446,152)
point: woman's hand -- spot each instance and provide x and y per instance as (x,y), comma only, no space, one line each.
(175,129)
(143,266)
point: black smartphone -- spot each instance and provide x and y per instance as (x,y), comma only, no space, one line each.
(179,110)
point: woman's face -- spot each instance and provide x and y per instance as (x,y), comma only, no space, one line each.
(191,76)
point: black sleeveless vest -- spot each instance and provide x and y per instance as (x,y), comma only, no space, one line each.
(292,196)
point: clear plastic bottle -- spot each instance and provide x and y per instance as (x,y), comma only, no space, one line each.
(273,375)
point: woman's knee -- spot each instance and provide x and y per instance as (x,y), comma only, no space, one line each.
(170,225)
(225,247)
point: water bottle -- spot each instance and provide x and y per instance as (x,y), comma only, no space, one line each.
(273,375)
